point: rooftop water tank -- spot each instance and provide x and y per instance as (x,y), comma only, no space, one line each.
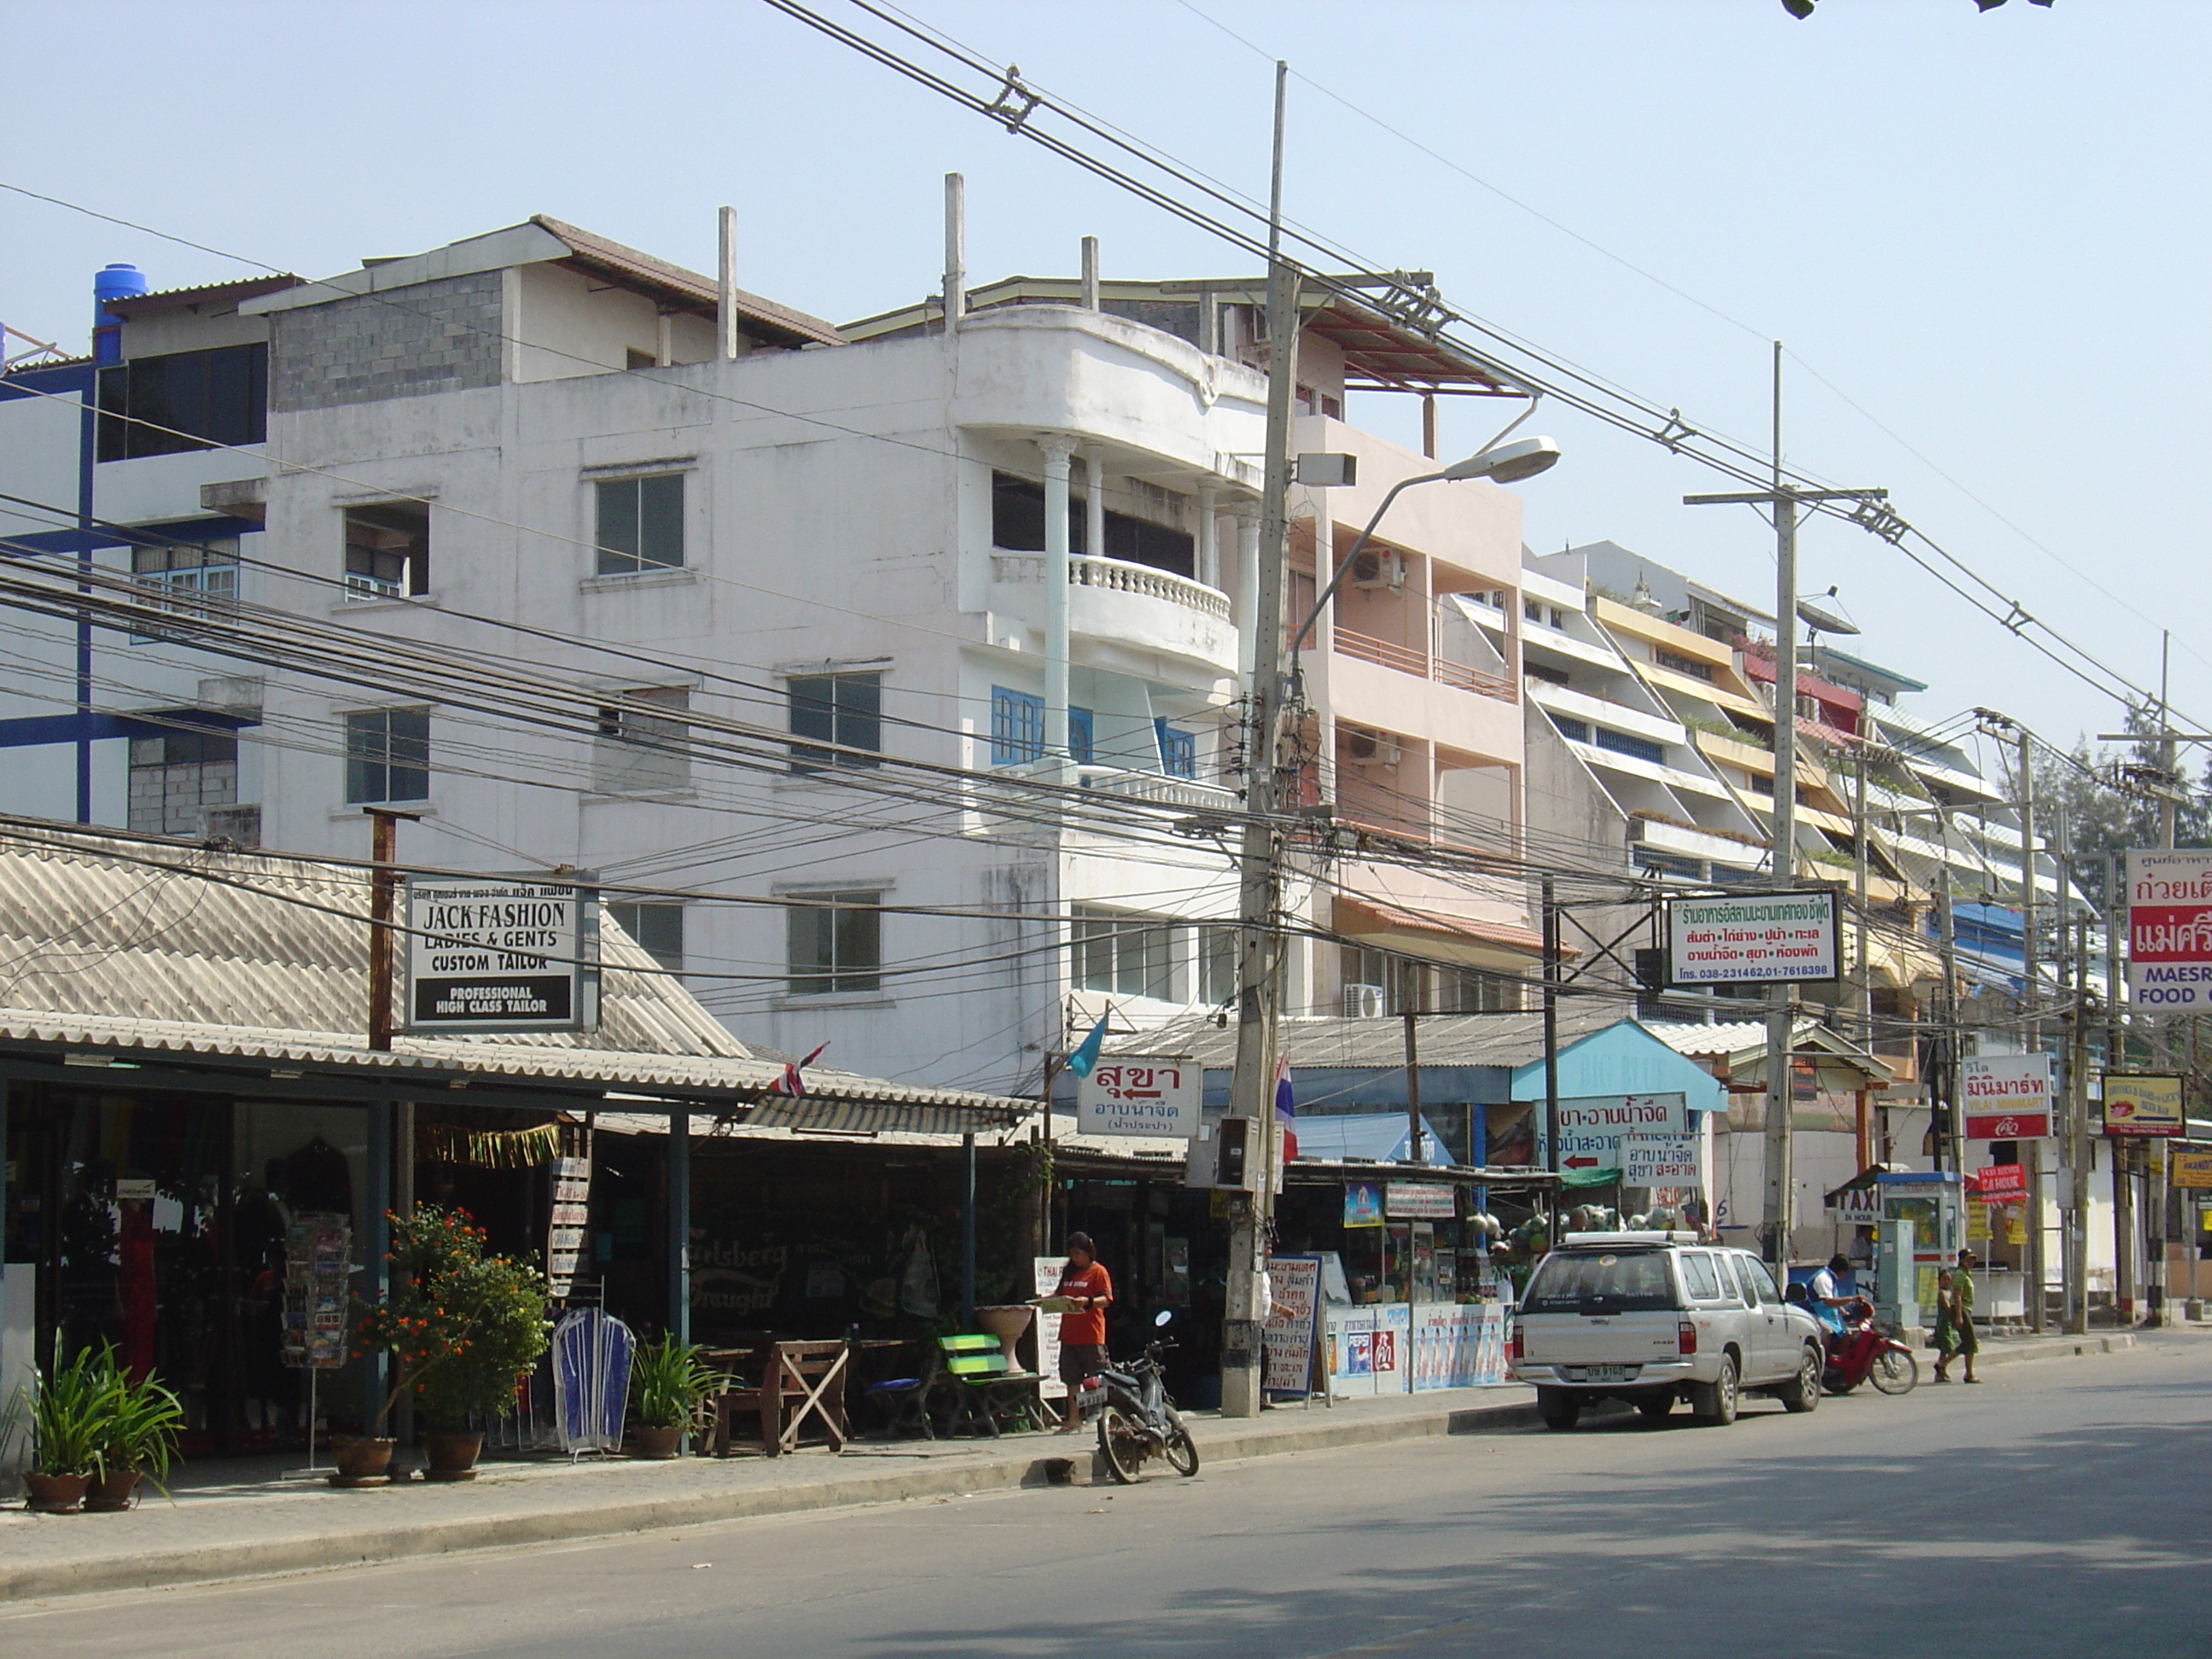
(116,282)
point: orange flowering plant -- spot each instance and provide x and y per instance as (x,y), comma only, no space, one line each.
(460,1323)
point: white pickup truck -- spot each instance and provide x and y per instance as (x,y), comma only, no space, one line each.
(1654,1317)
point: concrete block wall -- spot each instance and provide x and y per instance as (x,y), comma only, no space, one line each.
(433,337)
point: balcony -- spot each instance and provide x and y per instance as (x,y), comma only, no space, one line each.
(1365,648)
(1158,787)
(1133,605)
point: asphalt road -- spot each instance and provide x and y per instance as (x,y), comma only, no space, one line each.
(2058,1509)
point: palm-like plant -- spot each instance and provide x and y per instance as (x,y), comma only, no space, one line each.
(68,1407)
(670,1382)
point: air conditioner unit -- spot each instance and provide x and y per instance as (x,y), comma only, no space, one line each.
(1363,1002)
(1367,749)
(1373,570)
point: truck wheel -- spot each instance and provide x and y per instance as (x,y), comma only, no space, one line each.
(1803,1393)
(1560,1410)
(1715,1402)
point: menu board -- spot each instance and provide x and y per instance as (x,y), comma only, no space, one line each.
(317,1264)
(569,1213)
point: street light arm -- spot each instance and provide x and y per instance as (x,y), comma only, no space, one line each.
(1344,565)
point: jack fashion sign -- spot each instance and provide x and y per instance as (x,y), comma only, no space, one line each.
(501,953)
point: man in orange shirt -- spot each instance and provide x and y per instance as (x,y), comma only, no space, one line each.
(1083,1327)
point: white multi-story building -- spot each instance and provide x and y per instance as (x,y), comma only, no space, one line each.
(840,534)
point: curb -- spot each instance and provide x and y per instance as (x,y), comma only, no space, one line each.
(417,1538)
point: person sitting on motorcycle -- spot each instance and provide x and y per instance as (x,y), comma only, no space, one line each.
(1825,1298)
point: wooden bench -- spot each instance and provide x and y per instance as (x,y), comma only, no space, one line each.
(799,1383)
(981,1388)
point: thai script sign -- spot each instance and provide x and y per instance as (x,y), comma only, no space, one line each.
(501,953)
(2190,1166)
(1753,939)
(1128,1096)
(1591,1129)
(2142,1104)
(1419,1200)
(2170,928)
(1662,1160)
(1294,1324)
(2008,1096)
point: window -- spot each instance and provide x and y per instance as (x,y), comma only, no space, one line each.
(388,754)
(1464,991)
(1642,748)
(641,524)
(1585,1282)
(1081,728)
(1682,665)
(836,943)
(1017,727)
(840,708)
(388,555)
(1178,750)
(658,927)
(1698,1274)
(1127,955)
(1217,948)
(176,776)
(642,754)
(1018,526)
(186,400)
(192,579)
(1573,730)
(1404,981)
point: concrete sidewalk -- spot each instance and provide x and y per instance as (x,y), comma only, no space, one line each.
(240,1521)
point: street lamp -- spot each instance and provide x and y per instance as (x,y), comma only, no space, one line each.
(1503,464)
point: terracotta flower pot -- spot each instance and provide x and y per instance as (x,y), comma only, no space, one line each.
(361,1461)
(113,1491)
(655,1440)
(452,1454)
(55,1494)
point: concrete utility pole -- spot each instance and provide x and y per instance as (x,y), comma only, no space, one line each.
(1946,1069)
(2125,1240)
(1783,501)
(2032,1031)
(2077,1228)
(1252,1084)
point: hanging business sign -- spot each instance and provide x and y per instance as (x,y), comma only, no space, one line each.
(1753,939)
(2188,1166)
(2142,1104)
(1592,1128)
(1362,1203)
(1998,1183)
(1128,1096)
(1419,1200)
(2170,928)
(1856,1206)
(1662,1161)
(2008,1096)
(501,953)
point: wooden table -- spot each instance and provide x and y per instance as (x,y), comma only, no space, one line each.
(799,1383)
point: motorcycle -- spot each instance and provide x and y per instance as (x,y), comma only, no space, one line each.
(1138,1420)
(1863,1353)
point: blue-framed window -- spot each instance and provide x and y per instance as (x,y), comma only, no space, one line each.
(1017,727)
(1573,730)
(1621,744)
(1080,747)
(1178,750)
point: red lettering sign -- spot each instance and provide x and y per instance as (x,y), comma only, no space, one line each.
(2007,1125)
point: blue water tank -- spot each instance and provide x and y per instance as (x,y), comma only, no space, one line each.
(116,282)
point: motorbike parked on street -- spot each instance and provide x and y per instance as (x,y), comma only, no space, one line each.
(1139,1421)
(1865,1353)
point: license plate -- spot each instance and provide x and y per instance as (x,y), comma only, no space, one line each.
(1607,1373)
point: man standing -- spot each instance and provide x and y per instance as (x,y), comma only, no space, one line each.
(1087,1286)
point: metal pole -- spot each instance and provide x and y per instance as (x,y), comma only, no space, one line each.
(1781,1188)
(1259,967)
(968,1230)
(679,1224)
(1412,1085)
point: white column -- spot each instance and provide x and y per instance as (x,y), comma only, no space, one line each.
(1057,453)
(956,250)
(1248,590)
(1094,506)
(1209,540)
(664,341)
(725,287)
(1091,273)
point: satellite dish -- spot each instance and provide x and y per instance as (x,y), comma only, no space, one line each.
(1820,618)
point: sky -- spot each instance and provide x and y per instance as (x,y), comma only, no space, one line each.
(1981,237)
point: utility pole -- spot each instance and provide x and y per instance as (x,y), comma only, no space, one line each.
(2078,1081)
(1551,924)
(2169,800)
(1945,1117)
(1783,501)
(2123,1190)
(1259,954)
(396,1176)
(2031,995)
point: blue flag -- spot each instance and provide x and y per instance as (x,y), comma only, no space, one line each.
(1085,1056)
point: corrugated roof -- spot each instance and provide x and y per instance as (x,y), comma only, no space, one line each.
(175,298)
(687,289)
(148,945)
(1502,1040)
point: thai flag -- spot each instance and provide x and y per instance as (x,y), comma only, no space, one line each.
(790,1083)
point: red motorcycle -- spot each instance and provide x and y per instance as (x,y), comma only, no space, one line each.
(1865,1354)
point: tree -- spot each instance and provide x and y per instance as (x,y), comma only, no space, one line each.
(2078,790)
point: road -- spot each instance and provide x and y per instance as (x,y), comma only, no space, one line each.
(2058,1509)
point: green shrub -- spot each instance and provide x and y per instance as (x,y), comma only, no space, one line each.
(670,1384)
(461,1325)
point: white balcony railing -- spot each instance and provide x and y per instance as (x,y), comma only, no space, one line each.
(1117,576)
(1157,786)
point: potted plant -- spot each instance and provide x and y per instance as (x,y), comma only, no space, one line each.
(66,1408)
(137,1437)
(670,1383)
(460,1325)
